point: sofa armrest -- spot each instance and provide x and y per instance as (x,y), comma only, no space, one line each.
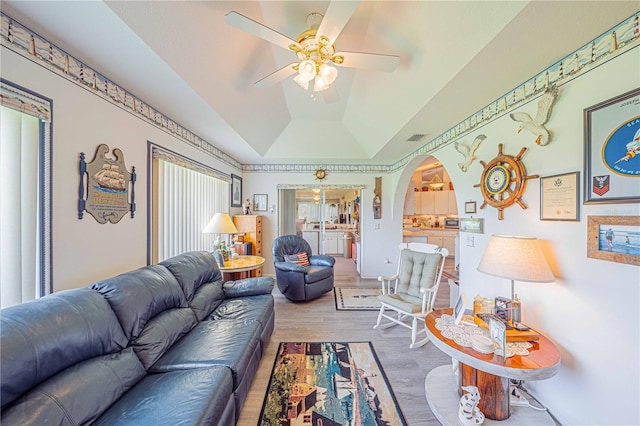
(248,287)
(290,267)
(321,260)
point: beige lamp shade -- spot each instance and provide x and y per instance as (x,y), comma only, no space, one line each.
(220,223)
(515,257)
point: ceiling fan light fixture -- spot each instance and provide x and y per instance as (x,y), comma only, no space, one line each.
(301,81)
(307,70)
(320,84)
(328,72)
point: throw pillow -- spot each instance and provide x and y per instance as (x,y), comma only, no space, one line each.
(299,258)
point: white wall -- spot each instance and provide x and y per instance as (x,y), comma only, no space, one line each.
(84,250)
(591,311)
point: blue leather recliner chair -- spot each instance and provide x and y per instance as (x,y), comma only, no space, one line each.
(297,282)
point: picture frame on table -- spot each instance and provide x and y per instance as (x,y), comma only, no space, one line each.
(470,207)
(614,238)
(560,197)
(260,202)
(611,141)
(236,191)
(458,309)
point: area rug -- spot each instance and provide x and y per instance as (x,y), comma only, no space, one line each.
(356,299)
(329,383)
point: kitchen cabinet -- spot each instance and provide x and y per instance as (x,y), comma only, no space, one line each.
(333,242)
(441,202)
(432,202)
(414,238)
(443,238)
(312,238)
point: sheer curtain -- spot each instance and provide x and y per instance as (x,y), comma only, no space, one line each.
(287,208)
(186,196)
(19,224)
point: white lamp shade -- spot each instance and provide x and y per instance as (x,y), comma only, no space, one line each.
(220,223)
(515,257)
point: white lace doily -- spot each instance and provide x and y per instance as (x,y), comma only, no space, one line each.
(461,334)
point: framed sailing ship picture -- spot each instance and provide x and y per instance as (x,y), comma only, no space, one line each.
(109,192)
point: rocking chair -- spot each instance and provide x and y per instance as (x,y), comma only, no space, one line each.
(413,293)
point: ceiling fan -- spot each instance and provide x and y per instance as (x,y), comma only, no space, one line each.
(315,48)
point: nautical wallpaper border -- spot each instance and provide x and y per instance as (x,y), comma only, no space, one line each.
(618,40)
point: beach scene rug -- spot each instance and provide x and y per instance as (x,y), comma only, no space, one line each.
(329,383)
(357,299)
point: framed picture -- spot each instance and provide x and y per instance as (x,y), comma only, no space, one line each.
(475,226)
(260,202)
(614,238)
(236,191)
(470,207)
(560,196)
(498,334)
(458,309)
(611,141)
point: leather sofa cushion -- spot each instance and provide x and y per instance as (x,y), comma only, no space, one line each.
(228,343)
(207,298)
(79,394)
(138,296)
(201,396)
(192,270)
(253,308)
(43,337)
(161,332)
(248,287)
(317,273)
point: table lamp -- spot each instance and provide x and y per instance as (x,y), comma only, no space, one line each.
(219,224)
(515,257)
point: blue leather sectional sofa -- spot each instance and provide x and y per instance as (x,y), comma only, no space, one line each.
(165,344)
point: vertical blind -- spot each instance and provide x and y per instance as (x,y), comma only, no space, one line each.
(19,224)
(185,201)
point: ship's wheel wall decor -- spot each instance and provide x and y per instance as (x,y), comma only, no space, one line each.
(503,181)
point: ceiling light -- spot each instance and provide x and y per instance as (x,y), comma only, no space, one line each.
(315,56)
(328,72)
(436,182)
(301,81)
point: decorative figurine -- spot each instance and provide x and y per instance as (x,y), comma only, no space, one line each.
(469,413)
(469,152)
(247,206)
(536,125)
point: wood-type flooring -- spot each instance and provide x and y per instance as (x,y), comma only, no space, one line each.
(319,321)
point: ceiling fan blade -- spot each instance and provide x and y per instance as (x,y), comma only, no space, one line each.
(276,76)
(369,61)
(335,18)
(331,94)
(250,26)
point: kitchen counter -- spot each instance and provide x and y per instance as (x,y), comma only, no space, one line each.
(444,237)
(426,231)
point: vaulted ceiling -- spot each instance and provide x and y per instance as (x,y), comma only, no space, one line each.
(184,60)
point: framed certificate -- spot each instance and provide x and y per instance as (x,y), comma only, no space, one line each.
(560,197)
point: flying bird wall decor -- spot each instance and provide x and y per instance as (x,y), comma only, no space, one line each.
(536,125)
(469,152)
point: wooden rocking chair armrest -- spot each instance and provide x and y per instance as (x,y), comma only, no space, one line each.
(387,278)
(428,290)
